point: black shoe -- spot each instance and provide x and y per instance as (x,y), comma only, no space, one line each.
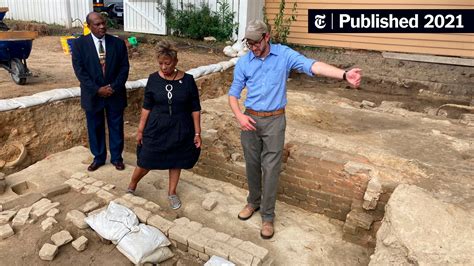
(94,166)
(119,166)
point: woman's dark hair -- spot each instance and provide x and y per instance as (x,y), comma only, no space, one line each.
(166,48)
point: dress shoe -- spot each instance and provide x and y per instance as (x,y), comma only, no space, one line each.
(119,166)
(247,212)
(267,230)
(94,166)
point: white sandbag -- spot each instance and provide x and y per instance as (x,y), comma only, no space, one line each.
(141,243)
(158,256)
(8,104)
(238,46)
(218,261)
(114,222)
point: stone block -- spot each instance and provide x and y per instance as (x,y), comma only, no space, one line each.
(43,209)
(80,244)
(217,248)
(75,184)
(89,189)
(209,203)
(79,175)
(257,251)
(197,241)
(108,187)
(359,219)
(182,221)
(21,217)
(182,247)
(105,195)
(138,200)
(161,223)
(53,212)
(222,237)
(372,194)
(234,241)
(180,233)
(97,211)
(240,257)
(195,226)
(77,218)
(98,183)
(89,180)
(256,261)
(6,231)
(89,206)
(48,223)
(124,202)
(1,208)
(142,214)
(41,203)
(193,252)
(151,206)
(56,190)
(61,238)
(48,251)
(22,201)
(208,232)
(3,186)
(6,216)
(204,256)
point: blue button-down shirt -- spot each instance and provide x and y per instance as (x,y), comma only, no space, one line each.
(265,79)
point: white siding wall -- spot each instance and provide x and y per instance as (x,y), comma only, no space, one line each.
(47,11)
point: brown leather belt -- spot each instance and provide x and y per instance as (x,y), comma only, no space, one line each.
(265,114)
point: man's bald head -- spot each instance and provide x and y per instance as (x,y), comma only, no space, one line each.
(97,24)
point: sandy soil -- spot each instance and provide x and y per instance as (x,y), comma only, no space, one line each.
(303,238)
(52,69)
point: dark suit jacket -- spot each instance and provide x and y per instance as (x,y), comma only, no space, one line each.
(89,72)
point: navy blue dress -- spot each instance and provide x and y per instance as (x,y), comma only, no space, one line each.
(168,139)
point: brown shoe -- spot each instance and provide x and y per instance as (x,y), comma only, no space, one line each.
(267,230)
(247,212)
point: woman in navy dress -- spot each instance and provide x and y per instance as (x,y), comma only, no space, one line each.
(170,123)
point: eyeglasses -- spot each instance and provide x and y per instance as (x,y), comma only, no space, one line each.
(251,44)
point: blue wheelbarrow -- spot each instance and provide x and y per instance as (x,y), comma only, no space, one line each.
(15,48)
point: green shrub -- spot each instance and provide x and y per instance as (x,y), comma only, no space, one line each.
(198,22)
(281,27)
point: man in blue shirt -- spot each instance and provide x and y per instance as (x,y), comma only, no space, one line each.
(264,71)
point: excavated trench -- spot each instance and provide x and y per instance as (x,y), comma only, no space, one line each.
(343,157)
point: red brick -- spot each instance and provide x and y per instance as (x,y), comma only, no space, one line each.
(299,164)
(291,188)
(298,172)
(310,184)
(311,207)
(335,214)
(319,195)
(287,199)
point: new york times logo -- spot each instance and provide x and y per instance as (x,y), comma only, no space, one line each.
(391,21)
(319,21)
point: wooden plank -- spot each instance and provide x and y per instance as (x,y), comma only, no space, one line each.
(372,2)
(383,47)
(389,41)
(430,59)
(18,35)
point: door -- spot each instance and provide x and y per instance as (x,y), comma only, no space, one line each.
(143,16)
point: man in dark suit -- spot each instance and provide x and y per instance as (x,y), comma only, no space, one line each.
(101,65)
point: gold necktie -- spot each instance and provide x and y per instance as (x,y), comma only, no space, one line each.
(102,56)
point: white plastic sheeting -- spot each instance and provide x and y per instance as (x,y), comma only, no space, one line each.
(61,94)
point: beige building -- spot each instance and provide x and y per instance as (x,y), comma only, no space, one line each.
(438,44)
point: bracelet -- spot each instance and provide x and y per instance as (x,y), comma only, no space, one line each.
(197,134)
(344,75)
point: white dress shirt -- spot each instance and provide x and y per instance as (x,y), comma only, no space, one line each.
(96,43)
